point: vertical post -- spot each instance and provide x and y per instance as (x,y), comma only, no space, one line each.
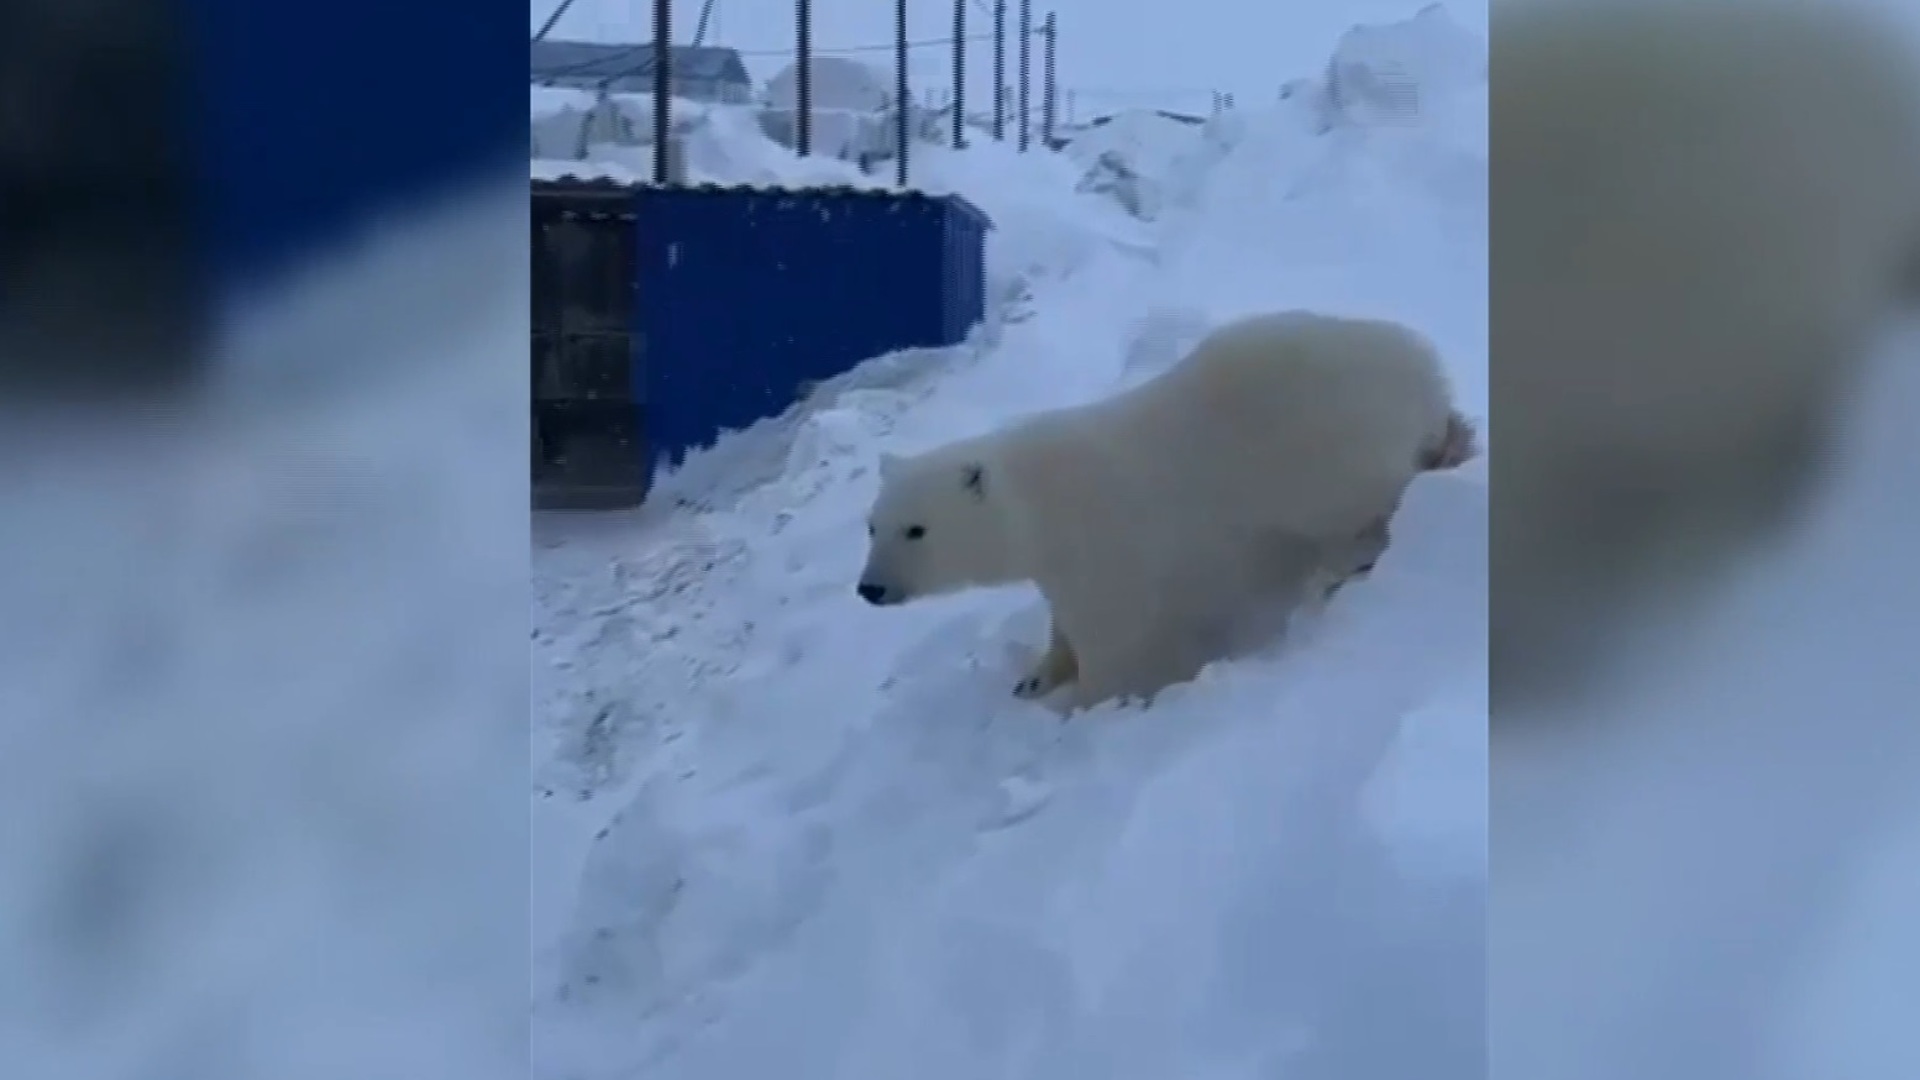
(959,74)
(662,89)
(803,78)
(1049,84)
(902,100)
(547,27)
(1026,70)
(999,70)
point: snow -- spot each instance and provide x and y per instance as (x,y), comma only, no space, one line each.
(1143,150)
(263,703)
(777,832)
(722,143)
(1378,70)
(1791,939)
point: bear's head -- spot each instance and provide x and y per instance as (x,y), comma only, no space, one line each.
(935,528)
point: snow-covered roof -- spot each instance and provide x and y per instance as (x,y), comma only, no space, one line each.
(588,63)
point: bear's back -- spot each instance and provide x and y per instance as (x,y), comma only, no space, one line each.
(1286,420)
(1299,384)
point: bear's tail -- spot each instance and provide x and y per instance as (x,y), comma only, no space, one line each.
(1459,445)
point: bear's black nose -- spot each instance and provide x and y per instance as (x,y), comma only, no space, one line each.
(871,593)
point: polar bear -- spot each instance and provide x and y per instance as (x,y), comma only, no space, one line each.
(1165,524)
(1701,210)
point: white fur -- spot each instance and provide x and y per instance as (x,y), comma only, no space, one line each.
(1156,521)
(1700,210)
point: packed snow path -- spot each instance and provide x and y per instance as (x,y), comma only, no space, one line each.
(779,832)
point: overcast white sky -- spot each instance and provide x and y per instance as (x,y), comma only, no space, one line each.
(1113,53)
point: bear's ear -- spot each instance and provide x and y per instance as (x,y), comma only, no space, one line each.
(889,463)
(973,477)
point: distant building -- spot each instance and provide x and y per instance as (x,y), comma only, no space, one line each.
(699,72)
(851,110)
(839,84)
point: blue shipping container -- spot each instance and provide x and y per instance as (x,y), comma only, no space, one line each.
(745,295)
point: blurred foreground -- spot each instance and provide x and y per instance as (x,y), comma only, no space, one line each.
(264,684)
(1703,609)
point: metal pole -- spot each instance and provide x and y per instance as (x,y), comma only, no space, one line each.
(902,100)
(547,27)
(1049,84)
(1026,70)
(999,70)
(803,78)
(662,88)
(959,74)
(700,27)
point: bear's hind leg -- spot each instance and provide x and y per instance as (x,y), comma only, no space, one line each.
(1136,668)
(1189,623)
(1356,560)
(1105,625)
(1058,667)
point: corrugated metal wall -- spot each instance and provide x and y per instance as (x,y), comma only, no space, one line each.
(747,294)
(742,296)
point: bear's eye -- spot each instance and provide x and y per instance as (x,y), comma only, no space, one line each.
(869,530)
(914,532)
